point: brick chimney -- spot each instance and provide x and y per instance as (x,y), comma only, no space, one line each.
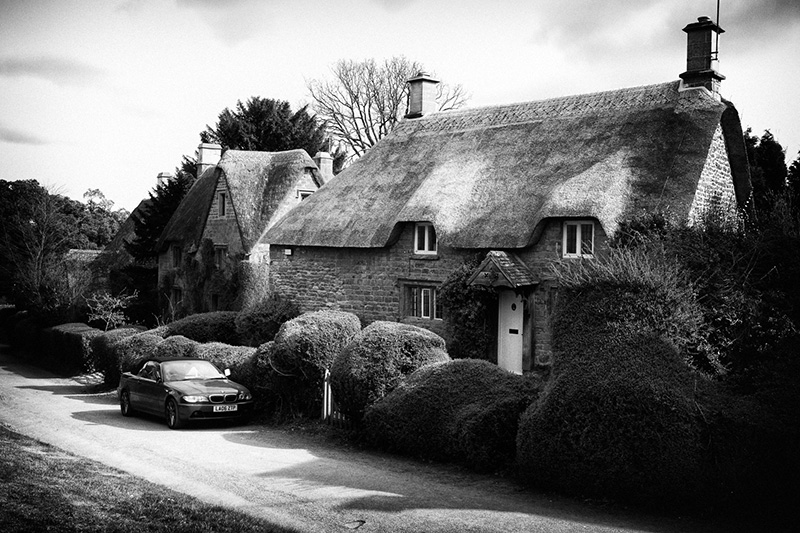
(208,155)
(163,178)
(701,56)
(324,163)
(421,95)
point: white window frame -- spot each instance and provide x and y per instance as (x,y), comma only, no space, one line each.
(579,228)
(417,295)
(429,234)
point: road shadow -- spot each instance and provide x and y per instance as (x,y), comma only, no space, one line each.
(144,421)
(448,487)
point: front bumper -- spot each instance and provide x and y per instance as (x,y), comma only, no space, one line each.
(205,411)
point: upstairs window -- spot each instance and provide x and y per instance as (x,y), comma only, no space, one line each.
(424,238)
(220,254)
(578,238)
(303,194)
(222,203)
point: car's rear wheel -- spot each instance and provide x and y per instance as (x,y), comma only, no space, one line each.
(171,411)
(125,403)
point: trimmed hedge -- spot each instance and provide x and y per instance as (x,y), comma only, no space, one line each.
(218,326)
(133,350)
(260,323)
(175,346)
(68,346)
(225,356)
(303,349)
(464,410)
(376,362)
(105,355)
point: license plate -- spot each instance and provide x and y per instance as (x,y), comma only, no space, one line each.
(224,408)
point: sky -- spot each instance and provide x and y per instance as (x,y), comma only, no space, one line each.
(106,94)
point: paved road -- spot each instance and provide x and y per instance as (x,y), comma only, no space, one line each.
(289,478)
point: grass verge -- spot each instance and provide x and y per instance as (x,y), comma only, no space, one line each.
(43,488)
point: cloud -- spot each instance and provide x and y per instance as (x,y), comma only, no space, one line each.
(13,136)
(394,5)
(234,21)
(59,70)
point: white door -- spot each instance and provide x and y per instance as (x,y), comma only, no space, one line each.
(509,335)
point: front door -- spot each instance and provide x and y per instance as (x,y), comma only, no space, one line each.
(510,322)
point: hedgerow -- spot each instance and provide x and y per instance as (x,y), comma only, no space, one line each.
(175,346)
(68,346)
(260,322)
(105,356)
(376,361)
(217,326)
(464,410)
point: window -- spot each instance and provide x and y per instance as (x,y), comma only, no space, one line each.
(220,254)
(578,239)
(303,194)
(423,302)
(222,204)
(424,238)
(176,256)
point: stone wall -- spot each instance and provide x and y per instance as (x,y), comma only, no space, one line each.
(715,196)
(370,282)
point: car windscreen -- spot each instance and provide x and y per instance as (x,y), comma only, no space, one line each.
(183,370)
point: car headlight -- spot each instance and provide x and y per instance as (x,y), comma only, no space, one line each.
(195,399)
(245,396)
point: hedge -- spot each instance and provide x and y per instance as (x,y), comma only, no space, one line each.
(303,350)
(464,410)
(133,350)
(175,346)
(377,360)
(218,326)
(68,346)
(105,355)
(260,322)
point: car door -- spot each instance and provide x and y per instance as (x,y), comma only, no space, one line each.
(151,390)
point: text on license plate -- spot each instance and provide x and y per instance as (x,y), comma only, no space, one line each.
(224,408)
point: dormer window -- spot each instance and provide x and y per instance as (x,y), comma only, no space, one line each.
(176,256)
(303,194)
(424,238)
(578,238)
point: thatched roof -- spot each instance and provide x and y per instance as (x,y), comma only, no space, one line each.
(257,182)
(487,177)
(115,250)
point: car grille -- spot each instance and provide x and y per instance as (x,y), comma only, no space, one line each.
(220,398)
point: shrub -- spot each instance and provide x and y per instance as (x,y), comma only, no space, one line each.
(303,350)
(260,323)
(464,410)
(219,326)
(68,346)
(133,350)
(618,420)
(377,360)
(105,357)
(225,356)
(175,346)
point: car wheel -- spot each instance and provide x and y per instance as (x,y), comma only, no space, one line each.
(171,411)
(125,404)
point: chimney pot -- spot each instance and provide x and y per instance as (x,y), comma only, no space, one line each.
(208,155)
(163,178)
(701,56)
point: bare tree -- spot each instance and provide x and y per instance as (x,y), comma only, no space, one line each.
(364,100)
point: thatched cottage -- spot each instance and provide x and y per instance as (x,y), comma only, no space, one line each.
(238,195)
(524,184)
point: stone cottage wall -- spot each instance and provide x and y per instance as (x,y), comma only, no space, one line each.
(716,195)
(370,281)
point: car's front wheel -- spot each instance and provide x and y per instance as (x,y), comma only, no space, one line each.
(125,403)
(171,411)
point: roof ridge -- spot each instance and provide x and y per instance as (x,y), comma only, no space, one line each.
(644,96)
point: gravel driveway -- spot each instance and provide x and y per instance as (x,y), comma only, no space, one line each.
(293,478)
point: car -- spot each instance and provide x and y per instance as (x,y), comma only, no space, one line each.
(183,389)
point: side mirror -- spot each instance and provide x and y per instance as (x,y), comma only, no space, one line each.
(227,372)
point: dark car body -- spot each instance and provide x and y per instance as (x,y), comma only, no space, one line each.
(183,389)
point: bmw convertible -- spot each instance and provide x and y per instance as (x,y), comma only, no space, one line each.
(182,389)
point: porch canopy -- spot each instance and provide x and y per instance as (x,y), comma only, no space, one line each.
(503,269)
